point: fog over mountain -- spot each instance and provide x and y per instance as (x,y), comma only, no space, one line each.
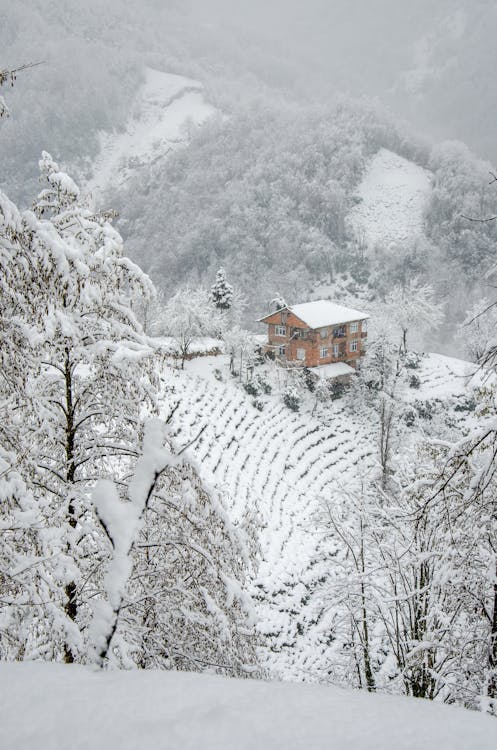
(422,60)
(278,80)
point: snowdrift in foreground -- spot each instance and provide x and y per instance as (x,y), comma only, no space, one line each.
(54,706)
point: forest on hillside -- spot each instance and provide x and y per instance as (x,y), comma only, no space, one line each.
(275,173)
(268,194)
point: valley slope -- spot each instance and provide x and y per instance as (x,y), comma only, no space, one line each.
(279,469)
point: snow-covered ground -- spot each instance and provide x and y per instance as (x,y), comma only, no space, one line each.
(282,465)
(198,347)
(393,195)
(55,706)
(278,464)
(161,110)
(444,377)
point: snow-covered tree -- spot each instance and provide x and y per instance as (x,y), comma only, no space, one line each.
(239,345)
(398,619)
(381,378)
(221,294)
(108,551)
(463,496)
(174,594)
(478,330)
(277,303)
(189,315)
(87,383)
(412,308)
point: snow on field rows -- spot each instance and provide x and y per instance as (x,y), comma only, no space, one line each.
(280,465)
(443,376)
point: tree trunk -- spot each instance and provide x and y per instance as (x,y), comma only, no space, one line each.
(71,606)
(368,671)
(492,659)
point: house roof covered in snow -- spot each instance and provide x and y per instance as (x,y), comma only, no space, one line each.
(322,312)
(333,370)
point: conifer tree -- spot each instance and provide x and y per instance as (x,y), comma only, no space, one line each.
(221,294)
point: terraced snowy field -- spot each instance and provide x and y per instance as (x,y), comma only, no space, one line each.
(281,465)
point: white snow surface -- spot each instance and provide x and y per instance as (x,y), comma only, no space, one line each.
(393,196)
(56,706)
(442,377)
(334,370)
(163,106)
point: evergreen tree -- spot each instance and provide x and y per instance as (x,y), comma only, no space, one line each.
(221,294)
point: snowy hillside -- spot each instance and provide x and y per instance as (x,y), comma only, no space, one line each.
(282,465)
(160,112)
(82,709)
(392,197)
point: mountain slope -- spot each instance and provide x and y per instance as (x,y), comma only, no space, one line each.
(161,111)
(393,196)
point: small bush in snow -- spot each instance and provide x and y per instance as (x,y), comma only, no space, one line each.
(291,398)
(218,374)
(425,409)
(414,381)
(251,388)
(309,379)
(466,403)
(412,360)
(258,404)
(263,384)
(322,391)
(336,389)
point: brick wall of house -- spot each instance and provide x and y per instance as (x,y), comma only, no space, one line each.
(312,342)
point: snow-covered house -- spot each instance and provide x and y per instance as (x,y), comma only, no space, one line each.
(321,335)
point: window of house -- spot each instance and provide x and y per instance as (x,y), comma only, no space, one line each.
(323,352)
(280,330)
(354,327)
(281,351)
(323,333)
(364,326)
(336,350)
(339,332)
(354,346)
(301,354)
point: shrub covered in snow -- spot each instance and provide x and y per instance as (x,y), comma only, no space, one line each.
(292,398)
